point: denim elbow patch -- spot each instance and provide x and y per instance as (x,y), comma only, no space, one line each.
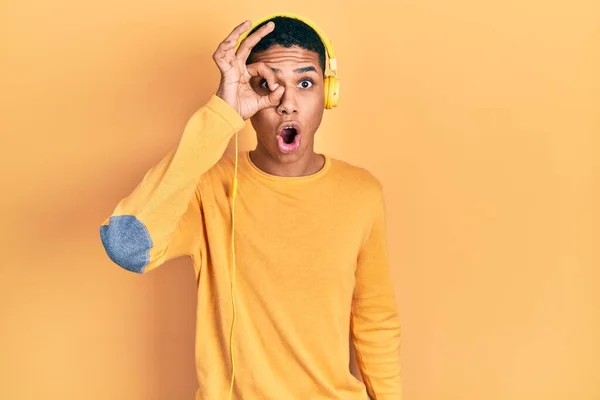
(127,242)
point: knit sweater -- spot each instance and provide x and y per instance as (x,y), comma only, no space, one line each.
(311,270)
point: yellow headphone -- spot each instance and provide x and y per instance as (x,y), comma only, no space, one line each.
(332,89)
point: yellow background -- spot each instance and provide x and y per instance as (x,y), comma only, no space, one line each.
(481,119)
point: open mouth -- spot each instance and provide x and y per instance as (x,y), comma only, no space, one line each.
(288,135)
(288,139)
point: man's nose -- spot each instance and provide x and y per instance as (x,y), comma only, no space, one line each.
(288,104)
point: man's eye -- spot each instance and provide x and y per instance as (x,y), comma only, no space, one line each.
(306,83)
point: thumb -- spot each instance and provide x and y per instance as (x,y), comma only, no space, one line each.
(272,99)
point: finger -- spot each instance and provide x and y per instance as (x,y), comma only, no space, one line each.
(231,40)
(237,31)
(261,69)
(272,99)
(251,40)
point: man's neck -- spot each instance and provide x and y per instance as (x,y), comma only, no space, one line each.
(309,164)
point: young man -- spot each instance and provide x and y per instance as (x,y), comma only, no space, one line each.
(310,270)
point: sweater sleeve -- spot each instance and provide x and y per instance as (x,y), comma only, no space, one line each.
(161,218)
(375,322)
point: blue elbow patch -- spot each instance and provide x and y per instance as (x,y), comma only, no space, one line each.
(127,242)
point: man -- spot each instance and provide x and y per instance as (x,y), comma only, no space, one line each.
(307,266)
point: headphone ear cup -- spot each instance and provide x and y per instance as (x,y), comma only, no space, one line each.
(326,84)
(332,92)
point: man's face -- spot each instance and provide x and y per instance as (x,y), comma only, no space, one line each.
(299,72)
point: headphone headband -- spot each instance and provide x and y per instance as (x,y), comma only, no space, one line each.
(330,65)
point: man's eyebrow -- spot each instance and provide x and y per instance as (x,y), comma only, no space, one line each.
(298,70)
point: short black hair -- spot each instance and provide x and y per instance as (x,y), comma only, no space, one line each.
(290,32)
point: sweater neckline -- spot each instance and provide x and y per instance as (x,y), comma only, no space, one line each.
(283,179)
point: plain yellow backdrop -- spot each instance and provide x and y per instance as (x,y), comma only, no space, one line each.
(481,118)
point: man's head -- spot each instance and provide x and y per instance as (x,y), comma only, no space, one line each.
(295,52)
(290,32)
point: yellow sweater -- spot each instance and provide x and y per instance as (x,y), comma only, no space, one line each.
(312,267)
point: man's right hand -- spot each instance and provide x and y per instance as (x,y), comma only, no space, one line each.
(234,87)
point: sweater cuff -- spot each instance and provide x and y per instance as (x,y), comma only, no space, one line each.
(222,108)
